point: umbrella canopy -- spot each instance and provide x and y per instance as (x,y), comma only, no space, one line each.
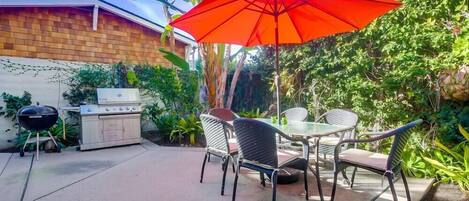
(267,22)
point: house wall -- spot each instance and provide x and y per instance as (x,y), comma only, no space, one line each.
(67,34)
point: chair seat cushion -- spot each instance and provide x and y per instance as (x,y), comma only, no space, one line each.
(364,158)
(332,141)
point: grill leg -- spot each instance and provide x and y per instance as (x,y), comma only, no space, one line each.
(25,143)
(53,140)
(37,145)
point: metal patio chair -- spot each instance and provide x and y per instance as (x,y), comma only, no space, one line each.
(337,117)
(223,113)
(216,133)
(387,165)
(296,114)
(258,152)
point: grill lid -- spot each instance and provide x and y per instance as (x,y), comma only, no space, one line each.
(37,117)
(37,110)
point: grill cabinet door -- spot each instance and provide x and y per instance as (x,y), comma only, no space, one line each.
(132,126)
(112,127)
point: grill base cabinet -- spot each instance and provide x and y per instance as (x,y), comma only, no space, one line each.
(100,131)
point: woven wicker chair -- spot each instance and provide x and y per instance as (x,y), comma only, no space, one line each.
(258,152)
(295,114)
(386,165)
(223,113)
(337,117)
(216,133)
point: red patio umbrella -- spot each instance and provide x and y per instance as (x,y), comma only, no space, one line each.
(267,22)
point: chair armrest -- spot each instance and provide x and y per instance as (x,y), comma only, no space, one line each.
(381,135)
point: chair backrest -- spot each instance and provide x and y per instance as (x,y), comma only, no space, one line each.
(216,133)
(401,136)
(223,113)
(341,117)
(256,141)
(296,114)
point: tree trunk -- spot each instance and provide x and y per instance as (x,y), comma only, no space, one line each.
(222,80)
(234,80)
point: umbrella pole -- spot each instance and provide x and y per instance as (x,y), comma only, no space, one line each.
(277,71)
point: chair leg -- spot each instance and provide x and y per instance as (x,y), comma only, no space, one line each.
(353,177)
(262,177)
(233,164)
(274,186)
(391,185)
(235,183)
(404,180)
(334,185)
(208,160)
(203,167)
(306,182)
(225,169)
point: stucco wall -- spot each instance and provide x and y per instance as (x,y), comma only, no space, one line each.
(67,34)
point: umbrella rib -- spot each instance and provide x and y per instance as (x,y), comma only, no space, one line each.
(228,19)
(333,15)
(382,2)
(202,12)
(294,24)
(257,25)
(292,6)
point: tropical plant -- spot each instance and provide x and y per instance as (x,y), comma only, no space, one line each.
(190,127)
(166,123)
(452,164)
(14,103)
(84,81)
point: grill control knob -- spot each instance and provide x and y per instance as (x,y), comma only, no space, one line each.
(107,109)
(121,108)
(88,110)
(128,108)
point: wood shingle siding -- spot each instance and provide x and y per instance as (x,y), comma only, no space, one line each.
(67,34)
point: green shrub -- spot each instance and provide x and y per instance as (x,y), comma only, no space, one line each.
(14,103)
(84,81)
(189,127)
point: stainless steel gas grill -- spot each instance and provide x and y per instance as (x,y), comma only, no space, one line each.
(114,121)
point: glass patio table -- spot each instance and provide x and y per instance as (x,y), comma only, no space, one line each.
(309,130)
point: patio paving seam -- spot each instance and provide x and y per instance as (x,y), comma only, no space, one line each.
(25,186)
(6,164)
(92,175)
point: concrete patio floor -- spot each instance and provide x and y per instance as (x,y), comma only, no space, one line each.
(150,172)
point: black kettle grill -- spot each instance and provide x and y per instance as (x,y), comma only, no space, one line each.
(37,118)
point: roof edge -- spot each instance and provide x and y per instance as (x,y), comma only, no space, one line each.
(104,5)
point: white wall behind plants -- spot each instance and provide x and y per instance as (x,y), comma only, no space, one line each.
(40,77)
